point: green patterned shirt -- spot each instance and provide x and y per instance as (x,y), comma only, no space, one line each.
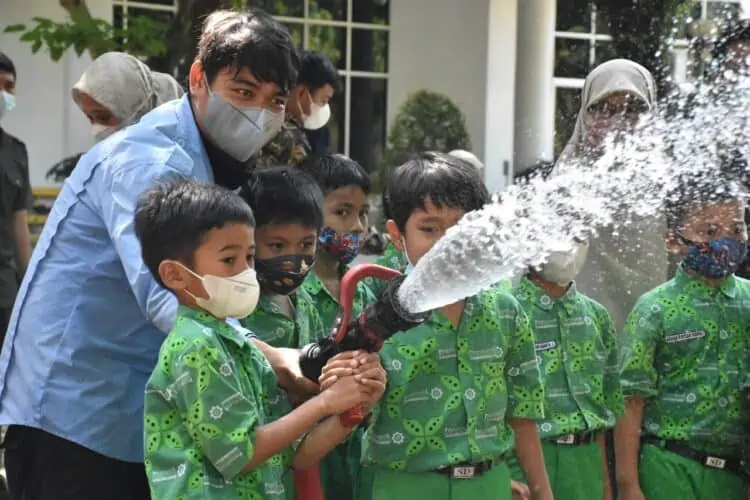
(685,349)
(576,345)
(328,306)
(289,147)
(392,258)
(452,390)
(208,393)
(275,328)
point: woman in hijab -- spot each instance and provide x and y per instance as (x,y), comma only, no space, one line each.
(626,261)
(117,90)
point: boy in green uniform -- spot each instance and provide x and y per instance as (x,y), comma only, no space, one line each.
(345,186)
(217,424)
(288,209)
(461,383)
(684,358)
(577,348)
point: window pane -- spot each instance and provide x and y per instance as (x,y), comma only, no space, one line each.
(331,42)
(336,123)
(602,22)
(566,112)
(603,51)
(370,50)
(571,58)
(329,10)
(288,8)
(297,32)
(368,105)
(573,15)
(371,11)
(117,17)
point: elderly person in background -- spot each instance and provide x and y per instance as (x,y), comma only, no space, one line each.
(117,90)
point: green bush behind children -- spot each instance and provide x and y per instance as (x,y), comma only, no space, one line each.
(684,357)
(576,344)
(345,186)
(217,425)
(288,209)
(461,383)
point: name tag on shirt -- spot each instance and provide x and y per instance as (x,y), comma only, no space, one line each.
(545,346)
(683,337)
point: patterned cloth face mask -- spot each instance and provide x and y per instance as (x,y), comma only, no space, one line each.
(714,259)
(342,246)
(282,275)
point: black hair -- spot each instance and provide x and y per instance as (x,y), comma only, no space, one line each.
(252,40)
(172,219)
(6,65)
(443,179)
(696,190)
(316,70)
(332,172)
(737,31)
(284,195)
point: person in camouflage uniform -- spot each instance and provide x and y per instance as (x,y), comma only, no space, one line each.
(463,387)
(288,209)
(684,357)
(308,108)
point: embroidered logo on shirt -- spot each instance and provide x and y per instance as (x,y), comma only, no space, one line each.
(682,337)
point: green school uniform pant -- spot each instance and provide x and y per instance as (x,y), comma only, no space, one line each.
(575,472)
(667,475)
(391,485)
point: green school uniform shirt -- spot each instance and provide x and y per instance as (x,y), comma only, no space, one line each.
(328,306)
(208,393)
(685,349)
(392,258)
(576,346)
(452,390)
(277,329)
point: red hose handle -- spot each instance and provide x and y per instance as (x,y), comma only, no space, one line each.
(355,416)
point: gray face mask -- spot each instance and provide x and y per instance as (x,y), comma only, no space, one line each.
(239,132)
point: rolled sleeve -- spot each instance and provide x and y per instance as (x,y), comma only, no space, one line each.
(118,208)
(221,415)
(525,390)
(638,375)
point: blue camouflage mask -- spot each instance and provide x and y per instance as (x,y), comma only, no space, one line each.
(714,259)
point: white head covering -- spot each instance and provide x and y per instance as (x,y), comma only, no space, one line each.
(616,75)
(167,87)
(125,86)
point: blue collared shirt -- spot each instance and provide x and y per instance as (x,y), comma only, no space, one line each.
(89,319)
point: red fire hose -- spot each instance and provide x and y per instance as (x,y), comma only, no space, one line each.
(307,482)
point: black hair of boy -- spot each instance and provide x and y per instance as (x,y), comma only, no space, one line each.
(6,65)
(172,219)
(250,39)
(443,179)
(697,190)
(316,70)
(332,172)
(284,195)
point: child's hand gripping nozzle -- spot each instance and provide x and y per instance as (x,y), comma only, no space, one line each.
(377,323)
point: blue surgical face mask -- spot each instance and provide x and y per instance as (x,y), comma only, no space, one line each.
(714,259)
(7,103)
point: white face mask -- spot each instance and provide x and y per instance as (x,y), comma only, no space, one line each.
(7,103)
(232,297)
(409,265)
(318,117)
(101,132)
(562,267)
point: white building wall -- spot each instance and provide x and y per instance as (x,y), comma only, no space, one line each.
(46,118)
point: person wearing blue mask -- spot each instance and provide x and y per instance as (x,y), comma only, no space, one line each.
(89,318)
(15,199)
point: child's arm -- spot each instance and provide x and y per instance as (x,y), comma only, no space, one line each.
(627,448)
(285,363)
(605,467)
(529,453)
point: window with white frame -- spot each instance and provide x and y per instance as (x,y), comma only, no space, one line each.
(159,10)
(354,35)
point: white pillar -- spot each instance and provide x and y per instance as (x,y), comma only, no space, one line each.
(535,90)
(501,69)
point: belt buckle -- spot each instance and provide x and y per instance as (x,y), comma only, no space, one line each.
(566,439)
(715,462)
(463,472)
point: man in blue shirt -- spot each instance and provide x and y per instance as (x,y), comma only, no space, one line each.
(89,319)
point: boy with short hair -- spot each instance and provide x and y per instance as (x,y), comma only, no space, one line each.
(461,383)
(288,209)
(576,345)
(684,358)
(217,424)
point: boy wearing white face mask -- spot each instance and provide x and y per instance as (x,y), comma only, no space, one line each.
(576,349)
(217,425)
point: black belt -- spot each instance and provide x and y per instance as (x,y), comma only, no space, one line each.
(574,439)
(467,470)
(732,465)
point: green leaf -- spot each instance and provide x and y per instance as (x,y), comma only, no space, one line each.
(14,28)
(36,46)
